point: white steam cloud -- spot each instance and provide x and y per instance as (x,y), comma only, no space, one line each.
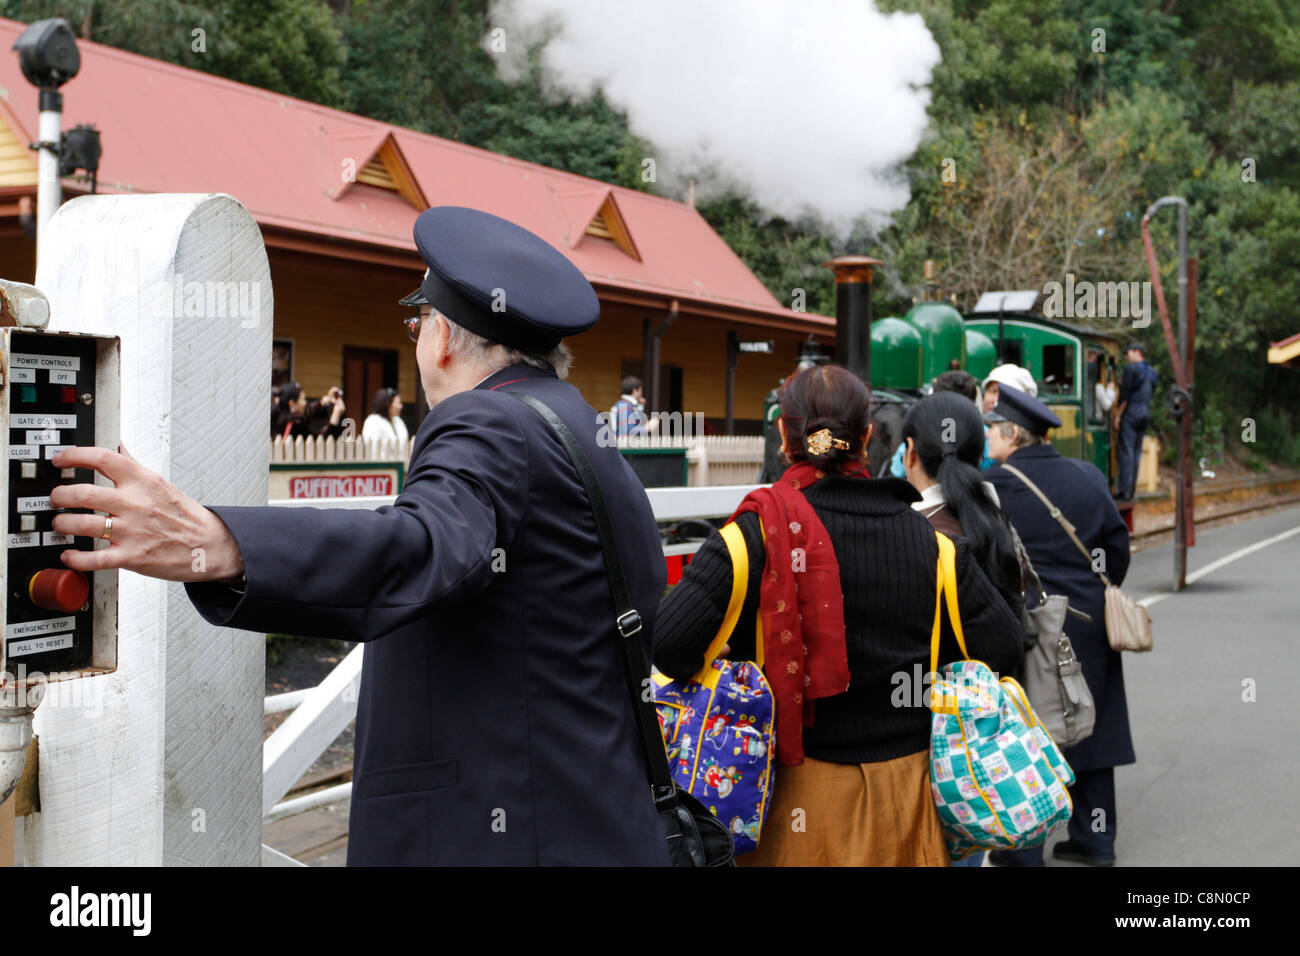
(805,107)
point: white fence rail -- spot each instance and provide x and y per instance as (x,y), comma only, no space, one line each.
(711,459)
(320,714)
(317,449)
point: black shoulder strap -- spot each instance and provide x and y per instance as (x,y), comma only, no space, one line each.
(627,618)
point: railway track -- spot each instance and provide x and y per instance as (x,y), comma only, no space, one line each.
(1150,537)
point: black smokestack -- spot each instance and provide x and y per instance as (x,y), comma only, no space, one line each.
(853,275)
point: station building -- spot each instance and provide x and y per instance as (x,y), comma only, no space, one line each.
(336,194)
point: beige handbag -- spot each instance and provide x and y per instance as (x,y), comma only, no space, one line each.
(1128,624)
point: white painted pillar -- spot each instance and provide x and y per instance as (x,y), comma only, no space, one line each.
(161,764)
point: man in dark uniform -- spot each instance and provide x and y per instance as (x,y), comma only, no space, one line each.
(1019,423)
(494,724)
(1132,415)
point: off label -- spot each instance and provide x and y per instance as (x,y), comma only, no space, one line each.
(34,628)
(38,645)
(62,378)
(19,360)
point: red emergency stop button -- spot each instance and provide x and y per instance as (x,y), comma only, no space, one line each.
(59,590)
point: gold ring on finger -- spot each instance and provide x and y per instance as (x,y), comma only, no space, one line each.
(108,529)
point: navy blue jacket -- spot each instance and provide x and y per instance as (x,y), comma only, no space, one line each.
(494,724)
(1136,387)
(1079,489)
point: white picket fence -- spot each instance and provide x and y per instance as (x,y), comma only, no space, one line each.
(317,449)
(711,459)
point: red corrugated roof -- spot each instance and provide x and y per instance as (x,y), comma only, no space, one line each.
(171,129)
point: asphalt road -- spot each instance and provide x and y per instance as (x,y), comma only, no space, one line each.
(1217,774)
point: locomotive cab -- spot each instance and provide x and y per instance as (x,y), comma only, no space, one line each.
(1067,361)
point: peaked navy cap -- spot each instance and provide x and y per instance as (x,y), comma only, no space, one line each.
(499,280)
(1023,409)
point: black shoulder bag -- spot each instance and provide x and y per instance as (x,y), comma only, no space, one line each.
(695,836)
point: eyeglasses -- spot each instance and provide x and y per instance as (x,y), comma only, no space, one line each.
(413,327)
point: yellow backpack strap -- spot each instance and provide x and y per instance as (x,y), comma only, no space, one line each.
(946,584)
(938,604)
(948,558)
(734,539)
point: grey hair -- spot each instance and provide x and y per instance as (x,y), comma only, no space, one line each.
(495,356)
(1019,435)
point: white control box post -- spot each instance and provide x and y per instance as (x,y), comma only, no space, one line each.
(168,770)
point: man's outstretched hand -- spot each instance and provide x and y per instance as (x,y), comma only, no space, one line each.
(158,530)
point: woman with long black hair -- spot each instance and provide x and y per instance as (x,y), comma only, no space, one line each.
(943,442)
(943,437)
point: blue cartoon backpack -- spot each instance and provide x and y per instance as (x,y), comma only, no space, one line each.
(718,726)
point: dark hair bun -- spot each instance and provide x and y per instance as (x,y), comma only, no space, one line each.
(830,399)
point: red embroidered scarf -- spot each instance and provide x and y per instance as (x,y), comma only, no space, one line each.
(801,606)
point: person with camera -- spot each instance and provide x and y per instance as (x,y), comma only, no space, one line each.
(299,418)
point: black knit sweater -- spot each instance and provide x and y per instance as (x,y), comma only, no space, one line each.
(887,555)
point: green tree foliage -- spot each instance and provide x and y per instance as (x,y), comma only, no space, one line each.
(430,67)
(787,256)
(1052,128)
(290,46)
(1065,121)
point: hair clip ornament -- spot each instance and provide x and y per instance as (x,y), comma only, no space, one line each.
(820,442)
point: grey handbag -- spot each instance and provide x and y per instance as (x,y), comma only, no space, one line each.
(1054,680)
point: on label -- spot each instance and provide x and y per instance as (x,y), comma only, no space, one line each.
(22,375)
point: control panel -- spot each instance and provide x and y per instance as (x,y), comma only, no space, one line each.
(59,390)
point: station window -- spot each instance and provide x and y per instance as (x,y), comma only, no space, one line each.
(1058,369)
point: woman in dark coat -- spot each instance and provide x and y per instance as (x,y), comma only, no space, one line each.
(1019,424)
(854,770)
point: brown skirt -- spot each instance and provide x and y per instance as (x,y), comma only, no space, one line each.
(837,814)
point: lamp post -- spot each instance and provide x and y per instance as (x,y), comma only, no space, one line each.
(48,56)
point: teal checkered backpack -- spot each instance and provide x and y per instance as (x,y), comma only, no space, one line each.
(999,780)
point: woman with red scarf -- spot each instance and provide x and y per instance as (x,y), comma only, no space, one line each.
(842,580)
